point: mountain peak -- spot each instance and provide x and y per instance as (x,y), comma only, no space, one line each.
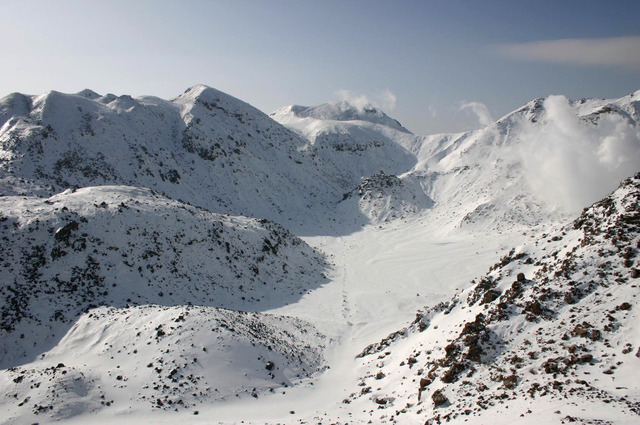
(203,93)
(342,111)
(89,94)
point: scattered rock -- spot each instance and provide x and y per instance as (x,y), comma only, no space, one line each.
(510,382)
(624,306)
(439,399)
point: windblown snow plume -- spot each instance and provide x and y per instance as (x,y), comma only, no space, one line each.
(572,163)
(384,99)
(480,110)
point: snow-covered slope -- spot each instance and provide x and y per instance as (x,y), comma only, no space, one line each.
(204,147)
(158,358)
(539,164)
(120,246)
(384,198)
(357,142)
(550,332)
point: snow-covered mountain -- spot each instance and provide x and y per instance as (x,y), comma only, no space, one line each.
(340,111)
(541,163)
(153,268)
(358,142)
(204,147)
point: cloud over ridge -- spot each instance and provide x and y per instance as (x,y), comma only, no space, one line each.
(572,164)
(385,99)
(480,110)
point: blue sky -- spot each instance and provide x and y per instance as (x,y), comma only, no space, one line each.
(421,61)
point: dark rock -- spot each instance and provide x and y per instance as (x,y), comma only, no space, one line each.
(424,383)
(520,277)
(439,399)
(451,375)
(451,349)
(510,382)
(579,331)
(381,400)
(586,358)
(475,351)
(533,307)
(63,233)
(550,366)
(489,296)
(624,306)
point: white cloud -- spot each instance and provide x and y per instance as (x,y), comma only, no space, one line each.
(573,164)
(388,100)
(360,101)
(618,51)
(385,99)
(480,110)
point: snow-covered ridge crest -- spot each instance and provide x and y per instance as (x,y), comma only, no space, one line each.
(340,111)
(205,147)
(541,163)
(162,359)
(354,142)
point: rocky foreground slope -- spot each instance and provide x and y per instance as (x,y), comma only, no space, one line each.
(552,325)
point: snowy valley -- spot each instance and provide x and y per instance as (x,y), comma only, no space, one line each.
(195,260)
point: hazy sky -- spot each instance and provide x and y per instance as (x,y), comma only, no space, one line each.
(436,66)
